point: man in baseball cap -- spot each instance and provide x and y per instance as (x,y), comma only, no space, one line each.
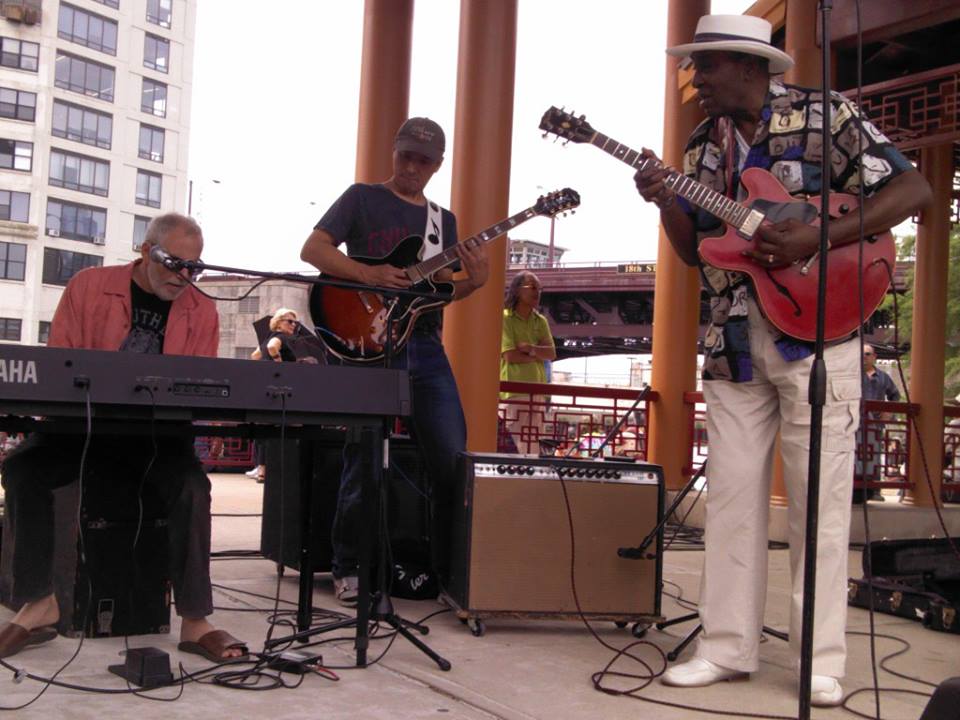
(423,136)
(373,220)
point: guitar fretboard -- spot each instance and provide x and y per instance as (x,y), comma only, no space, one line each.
(730,211)
(449,256)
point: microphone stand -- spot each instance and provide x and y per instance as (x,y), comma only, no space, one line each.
(175,263)
(817,389)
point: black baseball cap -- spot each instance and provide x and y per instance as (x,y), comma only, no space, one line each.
(421,135)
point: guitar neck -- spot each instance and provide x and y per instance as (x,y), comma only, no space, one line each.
(449,256)
(730,211)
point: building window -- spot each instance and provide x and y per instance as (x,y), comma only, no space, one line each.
(61,265)
(13,261)
(249,304)
(153,98)
(160,12)
(156,53)
(10,328)
(151,143)
(140,224)
(18,104)
(82,125)
(84,76)
(19,54)
(242,353)
(115,4)
(79,172)
(148,188)
(16,155)
(75,221)
(86,28)
(14,206)
(43,332)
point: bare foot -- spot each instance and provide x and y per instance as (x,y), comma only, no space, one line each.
(38,613)
(192,629)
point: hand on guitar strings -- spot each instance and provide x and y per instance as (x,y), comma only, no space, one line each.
(649,180)
(384,275)
(783,243)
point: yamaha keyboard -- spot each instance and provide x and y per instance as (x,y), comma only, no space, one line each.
(57,382)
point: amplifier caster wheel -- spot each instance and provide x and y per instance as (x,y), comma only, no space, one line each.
(639,630)
(477,627)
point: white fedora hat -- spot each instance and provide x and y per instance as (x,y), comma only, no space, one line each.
(735,33)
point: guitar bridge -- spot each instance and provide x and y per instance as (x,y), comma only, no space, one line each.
(749,226)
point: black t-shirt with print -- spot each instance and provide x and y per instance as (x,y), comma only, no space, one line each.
(148,322)
(372,221)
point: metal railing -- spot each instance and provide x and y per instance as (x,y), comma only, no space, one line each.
(571,419)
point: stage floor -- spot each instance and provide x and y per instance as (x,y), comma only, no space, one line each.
(519,669)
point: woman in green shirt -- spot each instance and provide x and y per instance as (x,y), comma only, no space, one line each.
(526,343)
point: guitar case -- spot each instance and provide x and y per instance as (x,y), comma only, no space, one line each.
(914,579)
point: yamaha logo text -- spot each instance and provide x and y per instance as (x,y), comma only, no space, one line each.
(18,371)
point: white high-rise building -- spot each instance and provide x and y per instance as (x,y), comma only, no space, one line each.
(94,118)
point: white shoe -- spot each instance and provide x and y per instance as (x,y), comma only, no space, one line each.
(346,590)
(700,672)
(252,474)
(825,691)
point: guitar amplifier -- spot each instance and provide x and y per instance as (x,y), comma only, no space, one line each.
(512,542)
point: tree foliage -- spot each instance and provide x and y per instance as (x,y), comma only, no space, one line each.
(904,309)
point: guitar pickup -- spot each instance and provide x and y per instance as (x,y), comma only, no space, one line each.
(749,226)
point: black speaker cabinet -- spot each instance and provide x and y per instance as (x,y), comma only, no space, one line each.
(321,462)
(120,589)
(512,546)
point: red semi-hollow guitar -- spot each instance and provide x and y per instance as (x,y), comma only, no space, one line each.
(787,295)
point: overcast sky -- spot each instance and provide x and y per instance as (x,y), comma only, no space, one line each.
(274,118)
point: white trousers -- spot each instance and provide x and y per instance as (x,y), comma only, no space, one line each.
(742,424)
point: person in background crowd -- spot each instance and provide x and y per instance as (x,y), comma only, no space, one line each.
(877,385)
(526,344)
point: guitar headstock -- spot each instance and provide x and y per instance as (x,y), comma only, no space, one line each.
(566,125)
(557,202)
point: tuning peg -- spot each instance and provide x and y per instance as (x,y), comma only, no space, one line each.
(583,117)
(544,136)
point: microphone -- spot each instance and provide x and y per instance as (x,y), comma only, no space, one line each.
(159,255)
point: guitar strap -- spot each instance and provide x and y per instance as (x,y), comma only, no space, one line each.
(433,233)
(725,126)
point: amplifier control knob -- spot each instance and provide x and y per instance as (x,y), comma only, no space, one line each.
(501,469)
(616,474)
(531,470)
(581,472)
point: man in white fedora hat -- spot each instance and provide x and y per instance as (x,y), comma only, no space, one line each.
(756,377)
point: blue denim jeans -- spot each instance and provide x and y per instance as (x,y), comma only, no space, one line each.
(440,431)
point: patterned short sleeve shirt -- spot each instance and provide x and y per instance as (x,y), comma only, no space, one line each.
(788,145)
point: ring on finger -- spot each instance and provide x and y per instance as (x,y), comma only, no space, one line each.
(770,259)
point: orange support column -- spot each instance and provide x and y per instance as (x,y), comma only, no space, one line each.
(384,84)
(929,324)
(800,43)
(676,312)
(479,198)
